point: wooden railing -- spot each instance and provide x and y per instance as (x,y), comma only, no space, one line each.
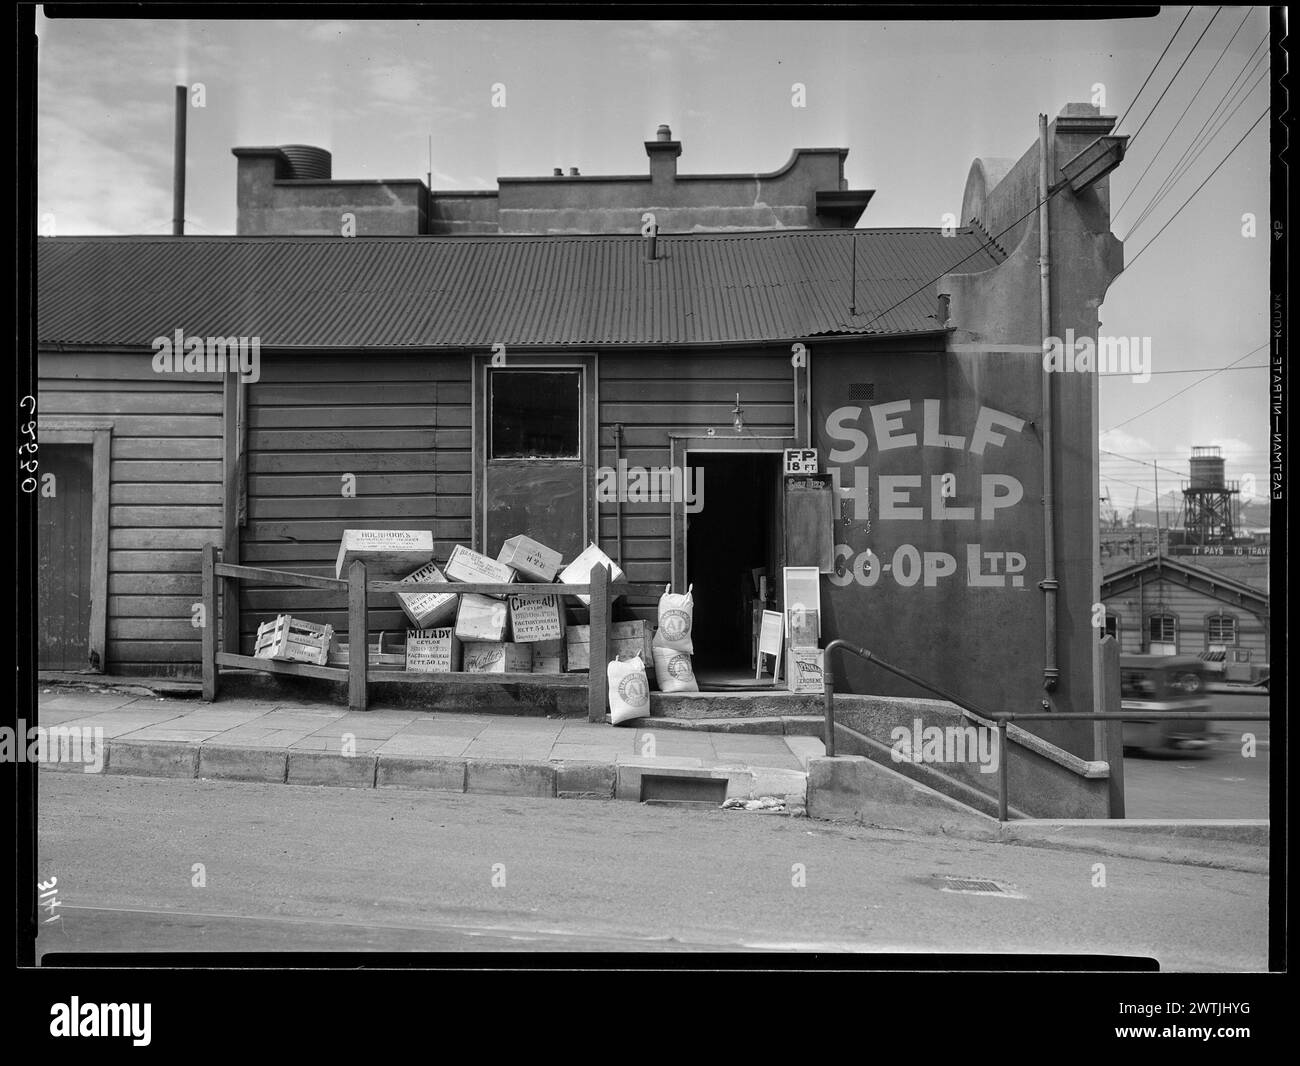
(357,591)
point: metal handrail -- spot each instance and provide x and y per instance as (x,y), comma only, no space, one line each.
(828,690)
(1001,718)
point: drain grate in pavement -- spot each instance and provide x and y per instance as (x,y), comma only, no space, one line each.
(975,886)
(683,790)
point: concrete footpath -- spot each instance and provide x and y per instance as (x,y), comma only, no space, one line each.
(283,740)
(305,743)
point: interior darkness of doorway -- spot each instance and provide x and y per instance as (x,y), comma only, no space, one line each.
(734,533)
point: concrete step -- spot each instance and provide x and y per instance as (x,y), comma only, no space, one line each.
(716,706)
(813,726)
(791,725)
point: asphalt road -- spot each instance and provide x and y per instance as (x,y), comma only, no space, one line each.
(1226,784)
(324,869)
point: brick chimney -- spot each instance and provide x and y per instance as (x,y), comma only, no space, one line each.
(663,152)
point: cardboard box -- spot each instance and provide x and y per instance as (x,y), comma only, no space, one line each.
(472,568)
(492,657)
(533,561)
(428,610)
(548,656)
(481,618)
(534,618)
(578,572)
(387,553)
(626,638)
(804,668)
(288,639)
(432,651)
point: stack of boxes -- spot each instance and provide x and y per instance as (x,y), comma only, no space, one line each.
(476,633)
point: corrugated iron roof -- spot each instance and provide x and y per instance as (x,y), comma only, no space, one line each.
(459,292)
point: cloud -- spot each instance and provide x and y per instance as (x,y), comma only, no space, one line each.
(131,191)
(1117,440)
(668,40)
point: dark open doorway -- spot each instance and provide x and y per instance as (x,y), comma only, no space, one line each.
(736,533)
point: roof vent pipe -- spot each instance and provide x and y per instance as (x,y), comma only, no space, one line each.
(650,231)
(558,172)
(573,172)
(178,163)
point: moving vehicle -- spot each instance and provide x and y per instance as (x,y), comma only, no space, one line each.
(1158,688)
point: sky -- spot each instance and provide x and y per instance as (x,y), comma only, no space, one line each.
(914,102)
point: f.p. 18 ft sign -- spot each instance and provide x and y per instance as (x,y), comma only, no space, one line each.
(801,461)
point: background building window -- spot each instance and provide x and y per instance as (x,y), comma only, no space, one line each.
(1221,629)
(1163,634)
(535,414)
(1111,626)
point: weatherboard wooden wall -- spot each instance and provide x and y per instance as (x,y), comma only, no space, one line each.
(656,394)
(395,429)
(1190,607)
(165,493)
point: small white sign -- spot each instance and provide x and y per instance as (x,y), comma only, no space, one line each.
(801,460)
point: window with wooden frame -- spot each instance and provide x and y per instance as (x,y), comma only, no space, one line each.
(1221,629)
(1163,629)
(535,414)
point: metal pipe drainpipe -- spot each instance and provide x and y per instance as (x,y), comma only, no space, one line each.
(1049,584)
(618,496)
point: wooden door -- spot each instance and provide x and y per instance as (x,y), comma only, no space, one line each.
(64,558)
(539,451)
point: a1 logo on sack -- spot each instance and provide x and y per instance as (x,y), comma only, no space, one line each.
(674,623)
(679,667)
(634,690)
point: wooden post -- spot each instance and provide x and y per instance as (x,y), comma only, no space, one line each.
(1112,748)
(209,623)
(598,668)
(232,477)
(358,636)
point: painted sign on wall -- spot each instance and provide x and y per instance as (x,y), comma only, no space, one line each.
(945,496)
(938,522)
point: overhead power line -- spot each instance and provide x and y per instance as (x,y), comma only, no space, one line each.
(1263,114)
(1179,119)
(1150,74)
(1196,147)
(1193,385)
(1194,370)
(1190,51)
(1159,197)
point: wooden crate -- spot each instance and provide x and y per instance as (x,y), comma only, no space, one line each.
(428,610)
(481,618)
(548,657)
(379,658)
(387,553)
(578,572)
(804,669)
(534,618)
(288,639)
(473,568)
(533,561)
(625,638)
(432,651)
(495,657)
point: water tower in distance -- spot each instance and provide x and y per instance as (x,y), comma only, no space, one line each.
(1211,513)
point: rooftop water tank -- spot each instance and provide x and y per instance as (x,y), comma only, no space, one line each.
(1206,468)
(308,162)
